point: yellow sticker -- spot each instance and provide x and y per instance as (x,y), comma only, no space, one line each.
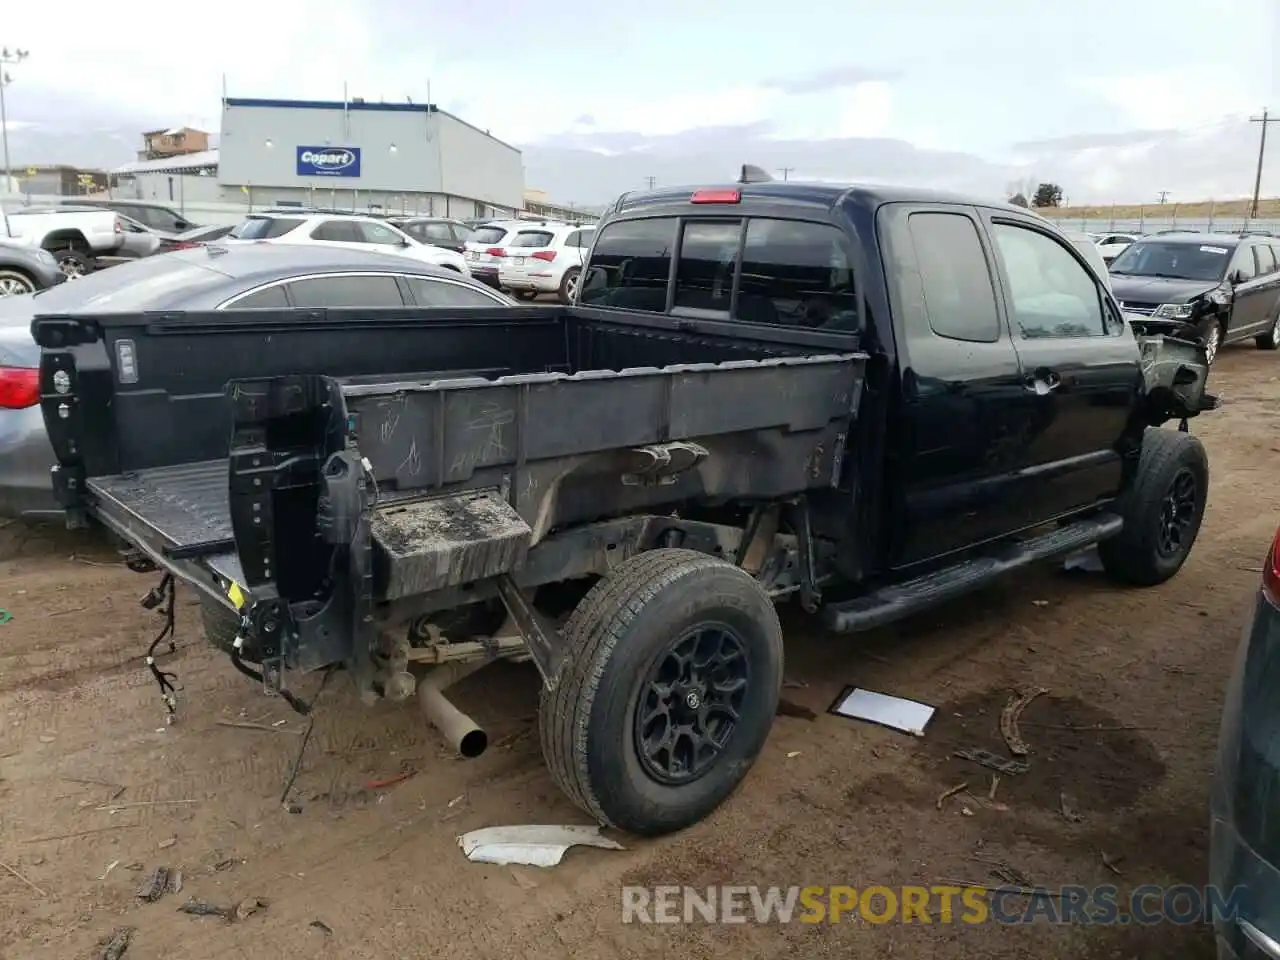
(236,595)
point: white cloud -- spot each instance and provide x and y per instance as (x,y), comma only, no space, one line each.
(1172,98)
(863,110)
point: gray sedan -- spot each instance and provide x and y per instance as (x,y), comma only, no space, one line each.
(25,269)
(247,277)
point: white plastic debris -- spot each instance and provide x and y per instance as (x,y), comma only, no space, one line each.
(894,712)
(1086,561)
(535,845)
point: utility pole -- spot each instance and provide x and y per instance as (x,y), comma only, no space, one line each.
(651,181)
(7,59)
(786,171)
(1163,194)
(1265,119)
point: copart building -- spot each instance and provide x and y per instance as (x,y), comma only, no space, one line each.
(343,155)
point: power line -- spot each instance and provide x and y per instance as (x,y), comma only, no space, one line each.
(1163,194)
(651,181)
(1265,119)
(785,171)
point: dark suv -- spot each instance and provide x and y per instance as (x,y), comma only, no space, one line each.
(435,231)
(1220,288)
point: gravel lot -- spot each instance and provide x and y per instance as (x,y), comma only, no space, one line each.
(374,872)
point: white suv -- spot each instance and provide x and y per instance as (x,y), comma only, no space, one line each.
(546,260)
(342,230)
(487,246)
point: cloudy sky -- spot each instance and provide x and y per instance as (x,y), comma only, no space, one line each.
(1113,100)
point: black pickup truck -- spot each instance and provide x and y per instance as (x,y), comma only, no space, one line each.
(866,399)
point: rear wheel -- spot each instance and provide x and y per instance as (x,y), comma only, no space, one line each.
(1271,339)
(72,263)
(15,282)
(569,284)
(1162,510)
(672,677)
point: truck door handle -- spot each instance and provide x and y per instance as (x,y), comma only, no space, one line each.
(1042,380)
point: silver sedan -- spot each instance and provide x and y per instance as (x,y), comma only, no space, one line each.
(249,277)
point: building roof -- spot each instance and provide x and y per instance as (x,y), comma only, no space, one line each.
(183,161)
(357,105)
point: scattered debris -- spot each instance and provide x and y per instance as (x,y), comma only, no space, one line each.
(292,806)
(535,845)
(966,812)
(884,710)
(1009,720)
(793,754)
(1066,803)
(89,781)
(988,759)
(113,807)
(455,801)
(951,792)
(248,725)
(117,944)
(155,886)
(5,615)
(226,864)
(1039,603)
(1003,871)
(788,709)
(322,927)
(166,844)
(110,866)
(79,833)
(198,908)
(1112,863)
(174,884)
(248,907)
(995,784)
(389,781)
(19,876)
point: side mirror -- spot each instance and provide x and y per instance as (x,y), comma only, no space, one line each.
(594,280)
(180,225)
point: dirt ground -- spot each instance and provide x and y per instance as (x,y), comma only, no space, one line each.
(96,791)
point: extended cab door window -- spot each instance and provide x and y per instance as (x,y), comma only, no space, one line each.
(796,273)
(1051,294)
(631,265)
(708,256)
(959,298)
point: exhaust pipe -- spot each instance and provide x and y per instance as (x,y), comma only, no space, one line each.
(462,733)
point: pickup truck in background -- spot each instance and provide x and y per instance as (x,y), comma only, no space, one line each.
(867,399)
(75,237)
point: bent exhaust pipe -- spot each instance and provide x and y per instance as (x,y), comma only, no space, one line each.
(462,733)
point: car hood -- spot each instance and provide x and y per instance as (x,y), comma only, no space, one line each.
(1159,289)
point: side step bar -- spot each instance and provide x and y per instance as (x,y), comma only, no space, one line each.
(912,596)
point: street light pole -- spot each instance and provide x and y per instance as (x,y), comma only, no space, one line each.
(1263,120)
(7,59)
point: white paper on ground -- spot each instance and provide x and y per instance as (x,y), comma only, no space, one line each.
(894,712)
(536,845)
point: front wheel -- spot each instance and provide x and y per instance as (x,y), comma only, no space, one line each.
(72,263)
(1162,510)
(672,675)
(569,285)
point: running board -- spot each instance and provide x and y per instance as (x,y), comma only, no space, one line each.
(912,596)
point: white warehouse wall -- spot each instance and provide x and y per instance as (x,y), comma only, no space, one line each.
(403,149)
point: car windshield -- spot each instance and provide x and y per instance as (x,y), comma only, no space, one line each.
(1177,261)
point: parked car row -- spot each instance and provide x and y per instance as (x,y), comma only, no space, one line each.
(527,258)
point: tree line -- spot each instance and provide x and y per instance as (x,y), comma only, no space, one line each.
(1044,195)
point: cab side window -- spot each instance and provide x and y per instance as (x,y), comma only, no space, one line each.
(955,281)
(1051,293)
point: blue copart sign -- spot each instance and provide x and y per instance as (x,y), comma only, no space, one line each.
(328,161)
